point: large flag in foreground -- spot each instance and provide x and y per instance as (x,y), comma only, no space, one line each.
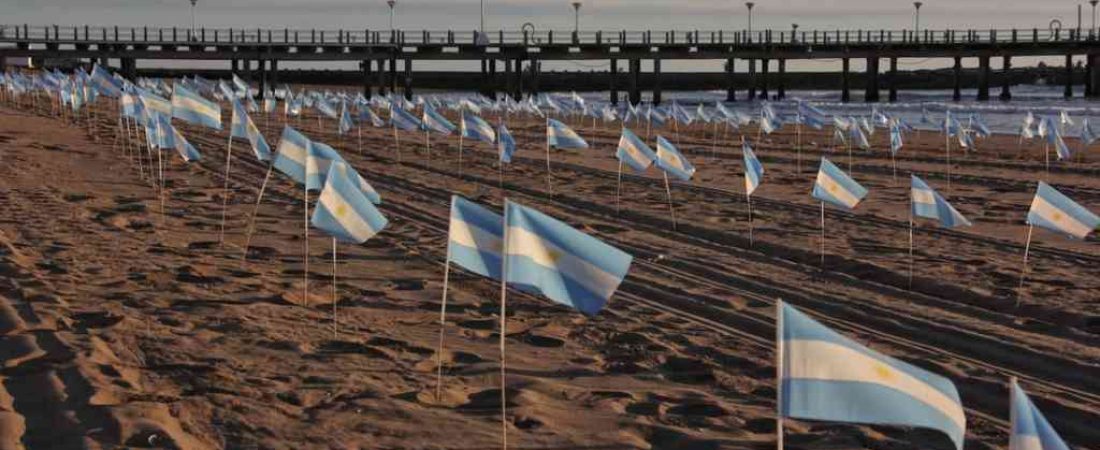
(476,238)
(290,157)
(826,376)
(1030,430)
(930,204)
(836,187)
(1054,211)
(344,212)
(754,171)
(544,255)
(672,161)
(192,108)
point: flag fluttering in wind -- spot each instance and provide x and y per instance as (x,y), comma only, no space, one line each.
(634,152)
(1030,429)
(319,161)
(476,128)
(547,256)
(836,187)
(476,238)
(559,135)
(435,122)
(345,124)
(402,120)
(754,171)
(242,126)
(895,137)
(291,154)
(1087,136)
(824,375)
(192,108)
(184,148)
(929,204)
(1054,211)
(343,211)
(506,145)
(670,160)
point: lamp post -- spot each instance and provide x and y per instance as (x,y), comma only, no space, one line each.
(749,5)
(482,17)
(193,17)
(1093,3)
(576,17)
(392,3)
(916,18)
(794,31)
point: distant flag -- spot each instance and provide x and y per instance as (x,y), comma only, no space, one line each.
(325,107)
(836,187)
(185,149)
(476,238)
(634,152)
(241,86)
(1054,211)
(754,171)
(858,138)
(242,126)
(291,154)
(192,108)
(767,124)
(1064,118)
(1054,137)
(344,212)
(1087,135)
(895,138)
(476,128)
(929,204)
(824,375)
(547,256)
(345,119)
(435,122)
(506,145)
(680,115)
(402,120)
(559,135)
(1030,429)
(368,115)
(672,161)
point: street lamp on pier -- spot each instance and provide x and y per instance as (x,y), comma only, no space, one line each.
(916,18)
(576,17)
(749,5)
(392,3)
(1092,30)
(193,18)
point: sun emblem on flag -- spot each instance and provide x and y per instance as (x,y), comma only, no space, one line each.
(340,211)
(1056,217)
(884,372)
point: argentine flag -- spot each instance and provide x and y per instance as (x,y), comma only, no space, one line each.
(929,204)
(1087,136)
(476,238)
(1054,211)
(345,120)
(402,120)
(359,181)
(559,135)
(185,149)
(754,171)
(634,152)
(192,108)
(547,256)
(344,212)
(895,138)
(319,159)
(242,126)
(291,155)
(836,187)
(826,376)
(858,138)
(672,161)
(326,108)
(368,115)
(476,128)
(434,121)
(506,145)
(1030,430)
(1054,137)
(155,103)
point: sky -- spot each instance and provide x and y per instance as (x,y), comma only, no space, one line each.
(557,15)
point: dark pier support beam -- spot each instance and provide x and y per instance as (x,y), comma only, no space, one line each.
(247,71)
(845,95)
(656,80)
(493,79)
(274,74)
(956,95)
(1088,76)
(892,78)
(536,70)
(365,66)
(129,68)
(409,79)
(517,93)
(1069,76)
(3,64)
(1093,74)
(635,76)
(482,89)
(393,73)
(983,78)
(263,76)
(870,93)
(781,90)
(1006,78)
(381,76)
(234,66)
(614,92)
(507,85)
(764,78)
(752,80)
(731,91)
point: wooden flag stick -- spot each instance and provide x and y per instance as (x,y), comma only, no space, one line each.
(779,375)
(798,146)
(335,294)
(671,209)
(252,220)
(503,315)
(618,187)
(442,326)
(910,242)
(225,191)
(461,143)
(305,256)
(1023,270)
(947,140)
(822,265)
(549,185)
(748,199)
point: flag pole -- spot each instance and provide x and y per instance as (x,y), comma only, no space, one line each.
(714,143)
(305,256)
(334,291)
(442,325)
(910,241)
(360,131)
(822,266)
(503,310)
(255,211)
(618,187)
(1023,270)
(947,140)
(225,191)
(798,145)
(461,143)
(549,186)
(748,200)
(671,210)
(1046,153)
(779,375)
(396,143)
(428,144)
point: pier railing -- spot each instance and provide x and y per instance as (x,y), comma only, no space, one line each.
(57,34)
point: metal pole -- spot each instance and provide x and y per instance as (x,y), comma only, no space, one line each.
(193,18)
(482,17)
(750,5)
(916,19)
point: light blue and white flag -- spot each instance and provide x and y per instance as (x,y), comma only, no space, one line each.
(185,149)
(1030,429)
(929,204)
(827,376)
(476,238)
(344,212)
(242,87)
(435,122)
(754,171)
(155,103)
(242,126)
(836,187)
(345,119)
(895,137)
(319,160)
(559,135)
(402,120)
(546,256)
(192,108)
(476,128)
(325,107)
(680,115)
(1087,136)
(858,138)
(634,152)
(1054,137)
(291,154)
(506,145)
(1054,211)
(672,161)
